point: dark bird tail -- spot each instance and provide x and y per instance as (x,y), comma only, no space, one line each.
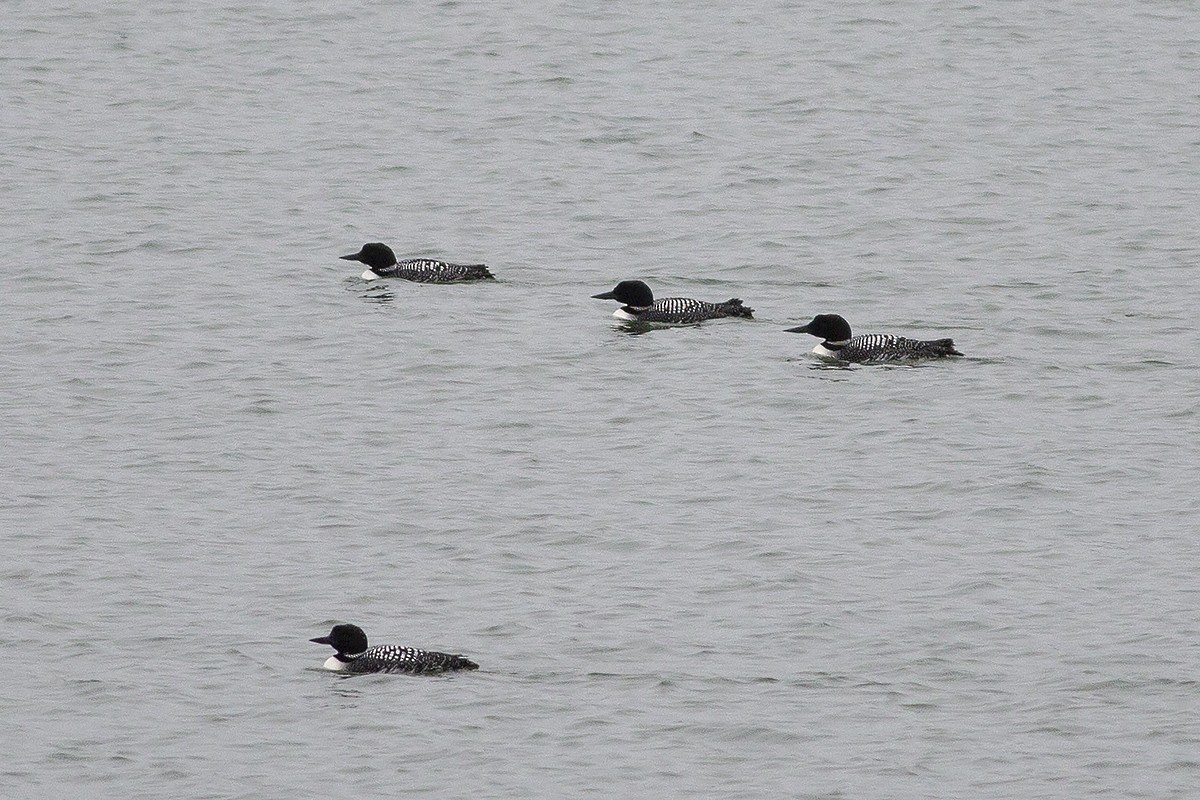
(941,347)
(734,308)
(480,272)
(437,663)
(462,662)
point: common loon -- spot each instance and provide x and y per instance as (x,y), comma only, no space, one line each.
(381,263)
(355,657)
(839,344)
(640,306)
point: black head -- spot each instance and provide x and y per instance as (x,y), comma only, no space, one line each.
(631,293)
(830,327)
(375,255)
(345,639)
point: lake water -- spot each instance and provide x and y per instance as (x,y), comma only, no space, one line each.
(692,563)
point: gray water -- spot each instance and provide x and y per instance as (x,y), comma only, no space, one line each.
(694,562)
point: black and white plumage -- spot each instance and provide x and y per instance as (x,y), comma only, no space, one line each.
(381,263)
(640,306)
(838,343)
(355,657)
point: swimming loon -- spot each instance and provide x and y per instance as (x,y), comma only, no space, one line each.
(355,657)
(640,306)
(839,344)
(381,263)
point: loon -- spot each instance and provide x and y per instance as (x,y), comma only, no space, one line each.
(381,263)
(355,657)
(839,344)
(640,306)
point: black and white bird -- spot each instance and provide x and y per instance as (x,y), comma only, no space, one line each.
(355,657)
(838,343)
(640,306)
(381,263)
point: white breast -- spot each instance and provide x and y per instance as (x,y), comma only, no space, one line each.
(823,352)
(333,665)
(621,313)
(369,276)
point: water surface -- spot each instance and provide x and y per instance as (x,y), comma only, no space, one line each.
(693,562)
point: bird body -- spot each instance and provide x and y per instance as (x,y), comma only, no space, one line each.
(640,306)
(838,343)
(381,263)
(354,656)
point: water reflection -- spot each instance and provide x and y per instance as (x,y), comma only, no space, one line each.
(371,291)
(831,366)
(634,328)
